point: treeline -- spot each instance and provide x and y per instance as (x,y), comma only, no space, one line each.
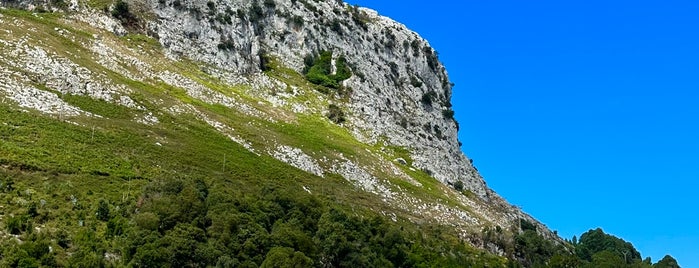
(594,249)
(191,223)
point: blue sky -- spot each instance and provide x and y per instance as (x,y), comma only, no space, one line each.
(584,113)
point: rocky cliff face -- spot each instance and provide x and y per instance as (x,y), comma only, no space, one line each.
(399,91)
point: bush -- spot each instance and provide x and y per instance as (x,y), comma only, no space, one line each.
(336,27)
(448,114)
(428,98)
(415,82)
(17,224)
(256,13)
(432,59)
(102,212)
(319,72)
(459,186)
(297,21)
(336,114)
(121,10)
(265,61)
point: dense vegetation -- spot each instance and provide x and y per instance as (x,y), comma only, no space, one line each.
(318,70)
(594,249)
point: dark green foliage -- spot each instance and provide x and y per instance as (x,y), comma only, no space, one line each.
(448,114)
(16,224)
(264,61)
(59,3)
(102,212)
(32,211)
(431,57)
(336,26)
(308,62)
(359,17)
(667,262)
(415,82)
(309,6)
(282,257)
(565,261)
(255,12)
(343,72)
(269,4)
(116,226)
(226,45)
(394,69)
(459,185)
(526,225)
(320,72)
(224,18)
(8,185)
(297,21)
(595,241)
(415,44)
(336,114)
(533,249)
(32,252)
(428,97)
(211,5)
(121,10)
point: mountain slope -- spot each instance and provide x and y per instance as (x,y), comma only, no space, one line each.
(230,109)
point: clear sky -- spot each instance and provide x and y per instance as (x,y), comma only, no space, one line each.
(584,113)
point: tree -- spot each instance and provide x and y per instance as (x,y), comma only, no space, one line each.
(595,241)
(286,257)
(667,262)
(102,210)
(607,259)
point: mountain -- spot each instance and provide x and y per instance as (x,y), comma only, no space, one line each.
(238,133)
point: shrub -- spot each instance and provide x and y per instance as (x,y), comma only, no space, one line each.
(394,69)
(359,17)
(459,186)
(448,114)
(319,72)
(297,21)
(226,45)
(526,225)
(336,114)
(432,59)
(415,82)
(342,72)
(336,27)
(17,224)
(428,98)
(264,61)
(121,10)
(102,212)
(256,13)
